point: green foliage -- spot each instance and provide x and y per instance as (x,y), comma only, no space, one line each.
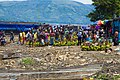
(28,61)
(105,9)
(106,77)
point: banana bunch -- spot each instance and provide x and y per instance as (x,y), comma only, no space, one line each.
(95,47)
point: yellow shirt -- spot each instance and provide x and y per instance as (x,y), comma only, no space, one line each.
(20,34)
(35,36)
(23,33)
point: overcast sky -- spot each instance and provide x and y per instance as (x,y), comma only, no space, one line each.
(83,1)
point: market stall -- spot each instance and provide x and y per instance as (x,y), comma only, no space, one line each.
(116,26)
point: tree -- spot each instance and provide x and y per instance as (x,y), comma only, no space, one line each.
(104,9)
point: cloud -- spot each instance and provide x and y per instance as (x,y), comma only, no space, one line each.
(13,0)
(85,1)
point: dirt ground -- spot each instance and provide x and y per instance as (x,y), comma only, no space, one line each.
(23,58)
(50,58)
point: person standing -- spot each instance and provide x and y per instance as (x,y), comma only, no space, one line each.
(20,38)
(46,37)
(62,35)
(2,41)
(11,37)
(35,37)
(79,38)
(84,36)
(23,37)
(67,35)
(52,34)
(29,38)
(57,35)
(115,39)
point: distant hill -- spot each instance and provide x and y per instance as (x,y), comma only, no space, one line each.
(47,11)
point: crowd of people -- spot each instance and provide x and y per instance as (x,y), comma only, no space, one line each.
(48,35)
(45,35)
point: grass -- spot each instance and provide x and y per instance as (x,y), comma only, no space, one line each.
(28,61)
